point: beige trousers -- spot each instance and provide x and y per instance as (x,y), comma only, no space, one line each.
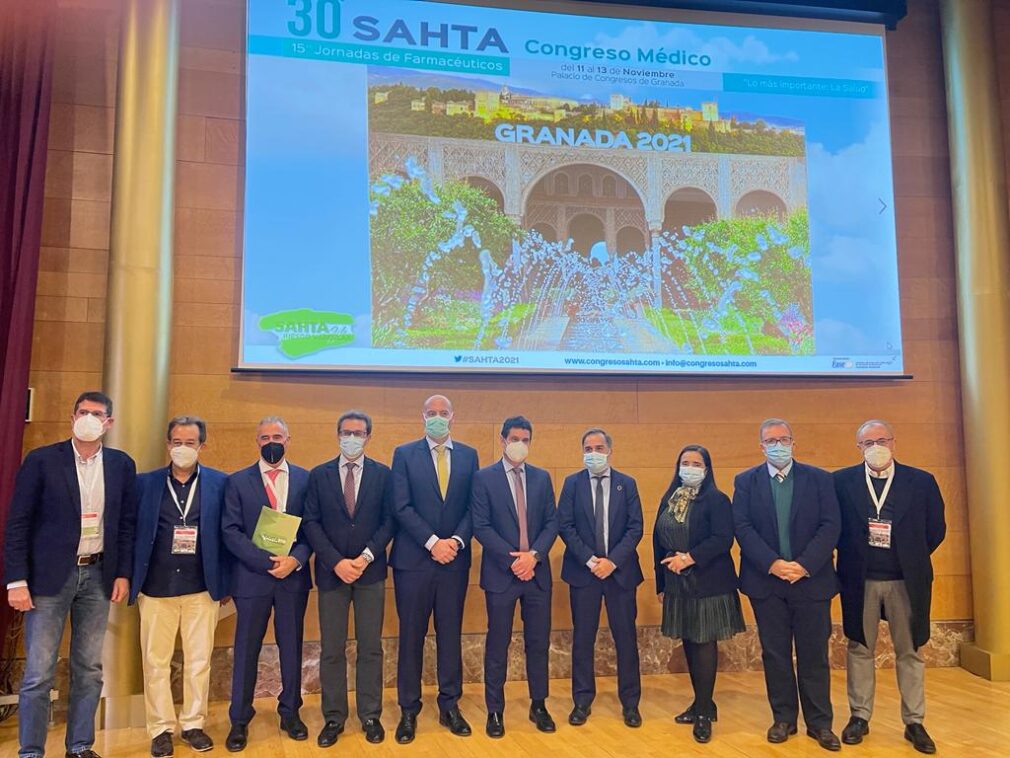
(161,621)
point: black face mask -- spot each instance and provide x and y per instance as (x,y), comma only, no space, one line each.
(272,452)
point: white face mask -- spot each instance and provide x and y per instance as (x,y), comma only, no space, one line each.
(596,462)
(878,456)
(517,452)
(351,447)
(692,476)
(88,428)
(184,457)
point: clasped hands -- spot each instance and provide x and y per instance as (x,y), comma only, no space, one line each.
(788,571)
(445,550)
(350,570)
(678,562)
(523,565)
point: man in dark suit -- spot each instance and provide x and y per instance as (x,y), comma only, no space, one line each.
(600,521)
(68,550)
(348,523)
(181,573)
(787,524)
(516,522)
(431,562)
(892,521)
(263,582)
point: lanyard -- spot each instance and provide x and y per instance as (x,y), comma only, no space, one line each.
(878,503)
(189,498)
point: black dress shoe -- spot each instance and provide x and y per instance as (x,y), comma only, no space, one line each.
(161,746)
(687,717)
(237,738)
(825,738)
(455,721)
(702,730)
(373,730)
(495,726)
(579,715)
(406,728)
(86,753)
(540,717)
(294,727)
(780,731)
(855,730)
(328,736)
(920,739)
(197,740)
(632,717)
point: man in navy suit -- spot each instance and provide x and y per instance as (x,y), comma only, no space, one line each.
(431,562)
(600,521)
(68,550)
(516,522)
(263,582)
(180,575)
(348,523)
(787,523)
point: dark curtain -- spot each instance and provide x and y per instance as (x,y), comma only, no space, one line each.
(26,72)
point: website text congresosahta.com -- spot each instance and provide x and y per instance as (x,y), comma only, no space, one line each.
(677,363)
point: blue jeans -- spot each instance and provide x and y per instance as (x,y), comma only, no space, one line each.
(83,597)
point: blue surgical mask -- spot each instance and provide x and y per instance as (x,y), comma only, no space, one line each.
(596,462)
(692,476)
(779,455)
(351,447)
(436,427)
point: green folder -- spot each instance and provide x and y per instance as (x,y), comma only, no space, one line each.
(275,531)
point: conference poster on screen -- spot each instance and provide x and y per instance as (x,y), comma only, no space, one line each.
(443,187)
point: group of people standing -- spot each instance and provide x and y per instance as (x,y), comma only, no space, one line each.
(84,529)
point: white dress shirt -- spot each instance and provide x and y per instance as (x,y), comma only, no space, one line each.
(773,472)
(359,464)
(448,470)
(280,484)
(606,508)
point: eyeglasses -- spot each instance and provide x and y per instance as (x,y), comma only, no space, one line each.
(346,434)
(883,441)
(101,415)
(777,441)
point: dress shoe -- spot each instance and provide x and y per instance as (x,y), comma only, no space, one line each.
(197,740)
(406,728)
(86,753)
(294,727)
(237,738)
(495,726)
(687,717)
(632,717)
(373,730)
(702,730)
(328,736)
(540,717)
(455,721)
(825,738)
(921,741)
(855,730)
(161,746)
(579,715)
(780,731)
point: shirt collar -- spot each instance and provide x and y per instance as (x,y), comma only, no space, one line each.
(605,474)
(432,444)
(773,472)
(887,473)
(266,467)
(81,459)
(359,462)
(509,466)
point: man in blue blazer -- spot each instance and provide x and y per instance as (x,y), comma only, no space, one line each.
(516,522)
(348,523)
(180,574)
(263,583)
(68,550)
(600,521)
(787,523)
(431,562)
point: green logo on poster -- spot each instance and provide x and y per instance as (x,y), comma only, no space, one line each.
(304,331)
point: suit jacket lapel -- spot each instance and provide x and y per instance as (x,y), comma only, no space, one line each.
(503,476)
(800,483)
(333,475)
(428,464)
(585,491)
(764,491)
(70,475)
(257,487)
(616,502)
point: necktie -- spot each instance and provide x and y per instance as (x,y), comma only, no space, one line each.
(780,477)
(442,469)
(349,488)
(524,537)
(601,516)
(272,475)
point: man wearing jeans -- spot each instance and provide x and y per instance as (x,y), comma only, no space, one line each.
(68,551)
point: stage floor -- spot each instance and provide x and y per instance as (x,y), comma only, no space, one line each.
(966,715)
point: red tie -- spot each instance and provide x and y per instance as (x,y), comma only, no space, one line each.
(271,495)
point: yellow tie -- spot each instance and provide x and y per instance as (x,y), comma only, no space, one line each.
(442,469)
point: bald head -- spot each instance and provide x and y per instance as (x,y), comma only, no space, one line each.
(437,402)
(437,417)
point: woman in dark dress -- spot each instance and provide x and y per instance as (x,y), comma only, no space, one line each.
(696,578)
